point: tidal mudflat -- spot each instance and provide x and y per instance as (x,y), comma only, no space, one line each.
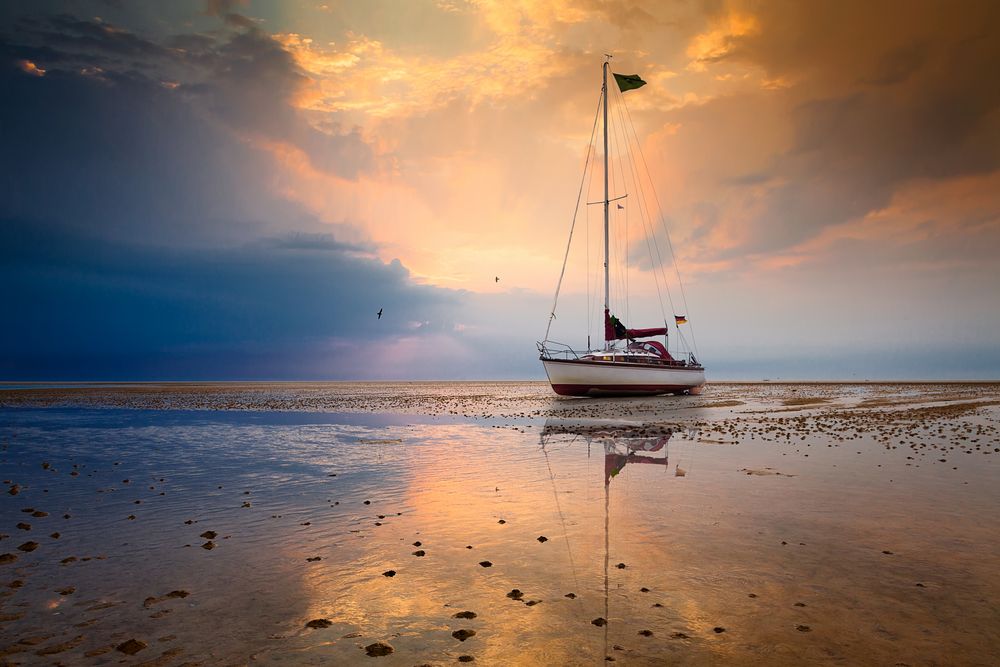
(433,523)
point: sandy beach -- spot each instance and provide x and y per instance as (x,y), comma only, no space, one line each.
(435,523)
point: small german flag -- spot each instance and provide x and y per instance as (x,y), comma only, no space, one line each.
(680,319)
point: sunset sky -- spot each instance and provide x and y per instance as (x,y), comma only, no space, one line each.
(232,190)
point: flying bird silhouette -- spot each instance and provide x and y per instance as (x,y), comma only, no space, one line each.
(497,279)
(379,313)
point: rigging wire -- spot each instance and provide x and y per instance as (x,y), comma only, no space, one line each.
(646,219)
(593,272)
(663,224)
(569,243)
(562,517)
(622,249)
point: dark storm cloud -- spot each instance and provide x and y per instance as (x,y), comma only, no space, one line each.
(879,96)
(244,78)
(80,306)
(140,231)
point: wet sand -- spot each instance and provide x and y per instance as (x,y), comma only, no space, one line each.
(432,523)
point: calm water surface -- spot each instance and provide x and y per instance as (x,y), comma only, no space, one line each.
(753,525)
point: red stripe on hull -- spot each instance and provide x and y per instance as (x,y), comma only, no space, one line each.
(619,389)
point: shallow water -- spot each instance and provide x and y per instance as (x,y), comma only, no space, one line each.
(765,511)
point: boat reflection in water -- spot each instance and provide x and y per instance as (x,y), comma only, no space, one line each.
(622,443)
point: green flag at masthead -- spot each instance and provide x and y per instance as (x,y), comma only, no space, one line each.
(628,81)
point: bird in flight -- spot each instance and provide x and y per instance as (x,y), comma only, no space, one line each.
(379,313)
(497,279)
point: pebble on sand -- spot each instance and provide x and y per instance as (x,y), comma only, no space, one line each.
(599,622)
(317,623)
(646,633)
(24,526)
(314,559)
(28,546)
(462,635)
(131,647)
(464,614)
(209,535)
(486,563)
(389,573)
(718,629)
(419,553)
(803,628)
(466,658)
(378,649)
(208,545)
(515,594)
(571,596)
(620,566)
(542,538)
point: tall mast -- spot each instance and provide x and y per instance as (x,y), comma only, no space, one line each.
(607,282)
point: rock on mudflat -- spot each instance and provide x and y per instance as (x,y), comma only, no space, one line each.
(209,535)
(28,546)
(515,594)
(464,614)
(486,563)
(318,623)
(131,647)
(378,649)
(599,622)
(389,573)
(462,635)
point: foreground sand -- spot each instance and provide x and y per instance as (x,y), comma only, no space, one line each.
(434,523)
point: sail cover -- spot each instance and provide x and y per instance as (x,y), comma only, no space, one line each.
(615,330)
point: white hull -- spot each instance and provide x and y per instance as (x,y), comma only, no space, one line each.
(596,378)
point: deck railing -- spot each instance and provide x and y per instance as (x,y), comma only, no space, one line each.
(552,350)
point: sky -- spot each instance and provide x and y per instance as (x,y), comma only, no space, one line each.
(232,190)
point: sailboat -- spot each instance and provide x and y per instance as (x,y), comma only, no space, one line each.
(638,366)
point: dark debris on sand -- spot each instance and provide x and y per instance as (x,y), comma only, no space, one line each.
(378,649)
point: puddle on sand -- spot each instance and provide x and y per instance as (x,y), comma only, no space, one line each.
(722,522)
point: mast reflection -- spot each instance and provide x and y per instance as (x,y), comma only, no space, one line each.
(623,443)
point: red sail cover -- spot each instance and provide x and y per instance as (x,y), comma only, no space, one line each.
(615,330)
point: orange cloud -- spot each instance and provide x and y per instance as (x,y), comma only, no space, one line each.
(29,67)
